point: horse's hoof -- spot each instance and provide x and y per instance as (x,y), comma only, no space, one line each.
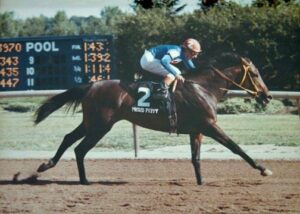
(31,179)
(200,182)
(266,172)
(45,166)
(16,177)
(84,182)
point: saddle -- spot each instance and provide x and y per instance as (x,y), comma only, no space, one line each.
(147,103)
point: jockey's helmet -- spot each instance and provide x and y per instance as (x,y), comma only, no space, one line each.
(192,44)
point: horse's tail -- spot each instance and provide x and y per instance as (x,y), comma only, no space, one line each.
(71,97)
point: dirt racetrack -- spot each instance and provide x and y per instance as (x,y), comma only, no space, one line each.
(152,186)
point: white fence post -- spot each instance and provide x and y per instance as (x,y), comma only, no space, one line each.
(135,140)
(298,104)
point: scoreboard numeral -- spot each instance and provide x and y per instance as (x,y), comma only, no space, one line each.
(30,71)
(78,79)
(10,83)
(10,47)
(31,60)
(9,61)
(30,82)
(10,71)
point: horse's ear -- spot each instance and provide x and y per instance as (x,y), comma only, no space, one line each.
(245,61)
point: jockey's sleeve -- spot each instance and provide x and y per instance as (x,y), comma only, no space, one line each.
(166,62)
(189,64)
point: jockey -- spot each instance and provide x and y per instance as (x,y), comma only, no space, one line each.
(161,59)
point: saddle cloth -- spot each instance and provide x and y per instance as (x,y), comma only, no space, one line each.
(146,103)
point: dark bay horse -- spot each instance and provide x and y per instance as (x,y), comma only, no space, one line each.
(106,102)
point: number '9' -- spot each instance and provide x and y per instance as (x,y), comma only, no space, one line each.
(31,60)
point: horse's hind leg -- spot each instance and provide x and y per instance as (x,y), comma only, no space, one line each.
(68,140)
(88,143)
(216,133)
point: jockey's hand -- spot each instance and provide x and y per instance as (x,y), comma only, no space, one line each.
(180,78)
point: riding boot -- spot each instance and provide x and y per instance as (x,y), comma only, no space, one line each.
(162,92)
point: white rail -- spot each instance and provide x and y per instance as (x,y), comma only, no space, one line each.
(38,93)
(275,94)
(232,93)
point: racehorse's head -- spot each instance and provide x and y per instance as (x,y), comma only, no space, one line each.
(251,79)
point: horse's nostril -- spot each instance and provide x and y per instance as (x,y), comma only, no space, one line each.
(270,97)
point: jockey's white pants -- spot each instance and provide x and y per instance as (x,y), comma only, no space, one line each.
(149,63)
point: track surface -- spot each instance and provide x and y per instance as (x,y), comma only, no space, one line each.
(151,186)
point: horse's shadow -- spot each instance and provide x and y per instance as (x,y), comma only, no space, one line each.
(59,182)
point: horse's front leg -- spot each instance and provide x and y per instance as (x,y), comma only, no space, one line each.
(195,141)
(214,131)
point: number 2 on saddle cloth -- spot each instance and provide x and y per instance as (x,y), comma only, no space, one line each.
(148,103)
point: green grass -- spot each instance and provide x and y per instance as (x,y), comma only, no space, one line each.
(17,131)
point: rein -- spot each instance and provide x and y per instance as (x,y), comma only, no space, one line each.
(239,85)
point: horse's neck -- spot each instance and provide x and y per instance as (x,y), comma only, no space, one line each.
(213,83)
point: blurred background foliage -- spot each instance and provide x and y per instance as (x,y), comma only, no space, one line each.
(268,32)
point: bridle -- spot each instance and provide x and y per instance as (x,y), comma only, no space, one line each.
(247,74)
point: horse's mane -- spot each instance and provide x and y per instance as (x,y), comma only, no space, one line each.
(222,61)
(205,64)
(205,76)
